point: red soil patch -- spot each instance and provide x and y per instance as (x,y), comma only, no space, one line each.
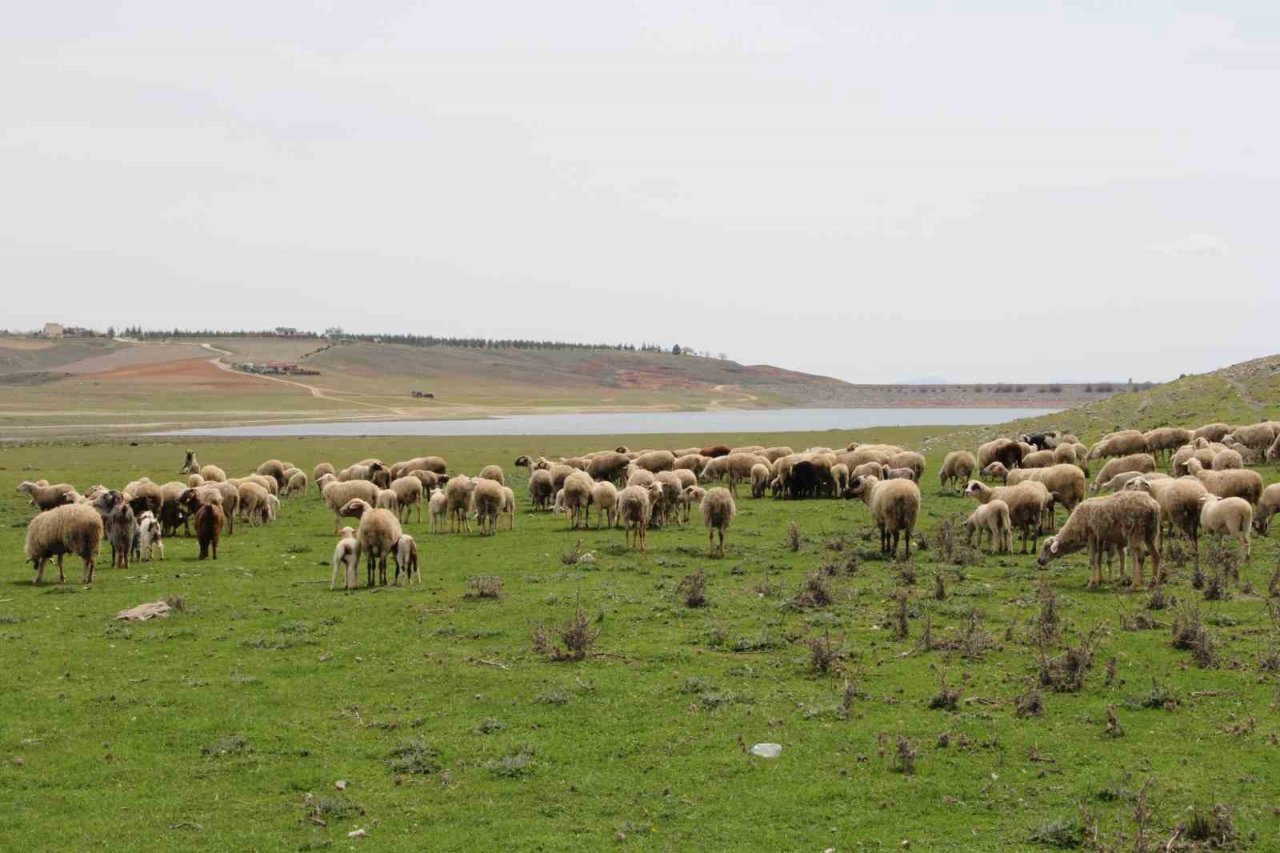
(187,374)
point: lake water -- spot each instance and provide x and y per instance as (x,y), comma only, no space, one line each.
(629,423)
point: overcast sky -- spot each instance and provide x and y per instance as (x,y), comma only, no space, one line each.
(971,191)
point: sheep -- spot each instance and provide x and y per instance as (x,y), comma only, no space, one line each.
(866,469)
(493,472)
(690,462)
(633,509)
(45,497)
(1064,482)
(377,534)
(1072,454)
(428,479)
(671,486)
(1166,439)
(508,506)
(119,525)
(1206,454)
(685,477)
(190,465)
(803,480)
(996,471)
(1268,505)
(346,559)
(1211,432)
(149,540)
(435,464)
(1126,519)
(459,495)
(297,485)
(225,493)
(1225,460)
(1041,440)
(274,469)
(487,498)
(1039,459)
(656,460)
(639,477)
(1240,483)
(1142,462)
(272,510)
(338,494)
(1227,517)
(691,497)
(438,505)
(194,481)
(559,471)
(577,498)
(604,496)
(1272,453)
(991,520)
(760,476)
(737,466)
(1123,443)
(212,473)
(715,450)
(1027,503)
(541,489)
(321,470)
(209,520)
(718,509)
(773,454)
(894,506)
(1121,480)
(387,499)
(1253,439)
(840,477)
(253,502)
(887,473)
(609,465)
(1006,451)
(67,529)
(908,459)
(406,557)
(408,491)
(957,467)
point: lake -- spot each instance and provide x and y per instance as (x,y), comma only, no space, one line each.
(628,423)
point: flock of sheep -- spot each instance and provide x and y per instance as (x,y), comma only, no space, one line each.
(1208,490)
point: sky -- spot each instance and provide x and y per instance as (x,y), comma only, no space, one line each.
(979,191)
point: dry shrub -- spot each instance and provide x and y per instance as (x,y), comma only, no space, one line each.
(483,586)
(1224,560)
(901,625)
(905,758)
(907,574)
(974,641)
(1197,579)
(573,555)
(1030,703)
(814,592)
(1067,672)
(939,587)
(1114,729)
(414,756)
(1273,585)
(1047,624)
(1158,600)
(1138,621)
(573,640)
(946,699)
(824,654)
(694,589)
(1212,828)
(1189,633)
(794,539)
(1216,588)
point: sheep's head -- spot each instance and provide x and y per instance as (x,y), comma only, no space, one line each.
(26,487)
(1049,551)
(857,487)
(1138,484)
(523,461)
(1194,465)
(354,508)
(974,489)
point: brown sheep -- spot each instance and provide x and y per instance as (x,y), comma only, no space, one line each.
(209,520)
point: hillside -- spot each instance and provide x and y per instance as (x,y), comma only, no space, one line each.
(82,386)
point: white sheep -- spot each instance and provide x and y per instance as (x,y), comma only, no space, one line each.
(346,555)
(1227,517)
(68,529)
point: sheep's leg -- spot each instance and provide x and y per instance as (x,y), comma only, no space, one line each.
(710,536)
(907,555)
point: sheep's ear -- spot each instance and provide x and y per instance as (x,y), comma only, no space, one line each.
(1053,546)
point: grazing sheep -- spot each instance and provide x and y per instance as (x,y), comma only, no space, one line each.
(760,476)
(1042,440)
(685,477)
(1227,517)
(406,557)
(718,510)
(1206,454)
(508,506)
(67,529)
(1240,483)
(639,477)
(297,485)
(577,498)
(803,480)
(346,559)
(633,509)
(209,520)
(1006,451)
(194,481)
(321,470)
(957,467)
(690,462)
(1027,503)
(408,491)
(887,473)
(213,474)
(1039,459)
(1121,480)
(866,469)
(377,534)
(487,498)
(559,471)
(387,499)
(459,495)
(1273,452)
(434,464)
(45,497)
(338,494)
(996,471)
(1127,519)
(274,469)
(1122,443)
(438,505)
(609,465)
(604,495)
(493,472)
(1268,505)
(541,489)
(253,502)
(1211,432)
(149,539)
(1064,482)
(715,450)
(1228,459)
(1072,454)
(691,497)
(656,460)
(908,459)
(773,454)
(894,506)
(190,465)
(671,488)
(991,520)
(1252,440)
(1141,462)
(840,477)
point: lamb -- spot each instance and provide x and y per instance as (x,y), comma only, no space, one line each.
(406,557)
(387,499)
(1240,483)
(190,465)
(908,459)
(297,485)
(149,539)
(508,506)
(493,472)
(1142,462)
(1123,443)
(1126,519)
(577,498)
(1225,460)
(887,473)
(840,477)
(957,467)
(338,494)
(992,520)
(438,505)
(346,559)
(866,469)
(633,508)
(253,502)
(1227,517)
(1027,503)
(487,498)
(604,495)
(67,529)
(718,509)
(377,534)
(459,495)
(760,476)
(894,506)
(212,473)
(541,489)
(1268,505)
(45,497)
(209,520)
(996,471)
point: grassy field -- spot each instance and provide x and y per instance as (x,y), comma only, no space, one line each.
(227,725)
